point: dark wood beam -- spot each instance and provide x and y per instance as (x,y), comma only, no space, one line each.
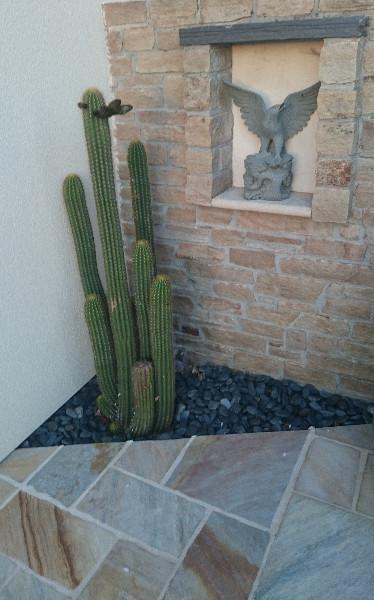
(275,31)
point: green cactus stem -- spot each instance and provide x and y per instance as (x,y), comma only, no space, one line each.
(144,399)
(84,243)
(162,351)
(98,140)
(140,192)
(143,269)
(102,344)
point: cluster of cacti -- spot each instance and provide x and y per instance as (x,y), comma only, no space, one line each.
(131,337)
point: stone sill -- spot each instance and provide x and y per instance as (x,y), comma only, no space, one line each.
(297,205)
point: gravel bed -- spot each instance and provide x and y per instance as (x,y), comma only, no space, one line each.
(212,400)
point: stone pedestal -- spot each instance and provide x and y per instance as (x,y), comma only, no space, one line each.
(267,177)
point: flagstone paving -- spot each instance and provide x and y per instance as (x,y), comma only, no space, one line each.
(265,516)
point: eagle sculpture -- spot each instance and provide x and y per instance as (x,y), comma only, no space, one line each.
(275,125)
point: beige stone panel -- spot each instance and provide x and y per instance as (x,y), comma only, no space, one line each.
(305,374)
(369,60)
(331,248)
(363,332)
(339,61)
(365,169)
(224,11)
(158,61)
(322,324)
(368,100)
(367,136)
(331,205)
(199,252)
(268,365)
(335,138)
(351,309)
(357,387)
(252,259)
(272,284)
(124,13)
(214,216)
(323,268)
(284,8)
(174,91)
(114,41)
(139,38)
(364,196)
(336,103)
(232,290)
(166,13)
(167,39)
(345,5)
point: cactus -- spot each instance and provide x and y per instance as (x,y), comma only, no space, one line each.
(162,351)
(140,192)
(144,398)
(76,207)
(143,265)
(102,344)
(98,140)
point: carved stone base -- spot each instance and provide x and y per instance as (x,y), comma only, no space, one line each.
(267,177)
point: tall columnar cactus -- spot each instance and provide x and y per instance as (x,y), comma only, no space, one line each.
(143,398)
(102,344)
(140,192)
(143,265)
(162,351)
(98,140)
(80,223)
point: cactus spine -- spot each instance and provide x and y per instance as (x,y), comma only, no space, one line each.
(162,351)
(98,140)
(102,344)
(143,276)
(144,398)
(140,192)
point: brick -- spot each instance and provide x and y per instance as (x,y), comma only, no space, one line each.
(235,291)
(167,39)
(364,196)
(369,60)
(220,304)
(124,13)
(156,153)
(164,253)
(199,252)
(351,232)
(253,363)
(181,215)
(368,218)
(205,131)
(345,5)
(368,100)
(213,11)
(197,92)
(336,104)
(177,155)
(306,374)
(267,330)
(343,366)
(330,205)
(338,61)
(235,339)
(139,38)
(144,97)
(120,66)
(276,317)
(365,169)
(326,269)
(167,176)
(214,216)
(322,344)
(252,259)
(363,332)
(220,273)
(161,117)
(170,14)
(367,136)
(114,41)
(287,8)
(335,138)
(322,324)
(295,340)
(357,387)
(334,172)
(199,189)
(352,291)
(204,59)
(182,305)
(163,133)
(159,61)
(354,309)
(126,131)
(166,195)
(199,160)
(288,287)
(276,348)
(181,233)
(174,91)
(268,223)
(356,351)
(331,248)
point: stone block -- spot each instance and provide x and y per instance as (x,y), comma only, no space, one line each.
(335,138)
(336,103)
(338,63)
(114,41)
(365,170)
(368,100)
(120,66)
(364,196)
(215,11)
(197,92)
(252,259)
(345,5)
(158,61)
(139,38)
(200,160)
(199,189)
(369,61)
(174,91)
(143,97)
(214,216)
(334,172)
(124,13)
(323,268)
(330,205)
(332,248)
(204,59)
(172,14)
(367,136)
(287,8)
(167,39)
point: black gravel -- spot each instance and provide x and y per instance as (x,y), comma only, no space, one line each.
(212,400)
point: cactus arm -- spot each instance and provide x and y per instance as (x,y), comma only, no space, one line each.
(84,243)
(144,398)
(98,140)
(102,344)
(143,266)
(140,192)
(162,351)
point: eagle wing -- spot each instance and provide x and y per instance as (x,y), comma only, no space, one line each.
(297,110)
(252,107)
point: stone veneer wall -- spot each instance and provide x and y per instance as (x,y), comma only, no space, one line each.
(286,296)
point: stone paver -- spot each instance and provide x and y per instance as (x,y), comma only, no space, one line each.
(321,552)
(155,516)
(330,472)
(222,562)
(129,572)
(7,567)
(355,435)
(365,502)
(24,586)
(151,460)
(232,472)
(6,490)
(21,463)
(50,541)
(72,470)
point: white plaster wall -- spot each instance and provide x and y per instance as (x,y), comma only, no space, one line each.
(275,70)
(49,52)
